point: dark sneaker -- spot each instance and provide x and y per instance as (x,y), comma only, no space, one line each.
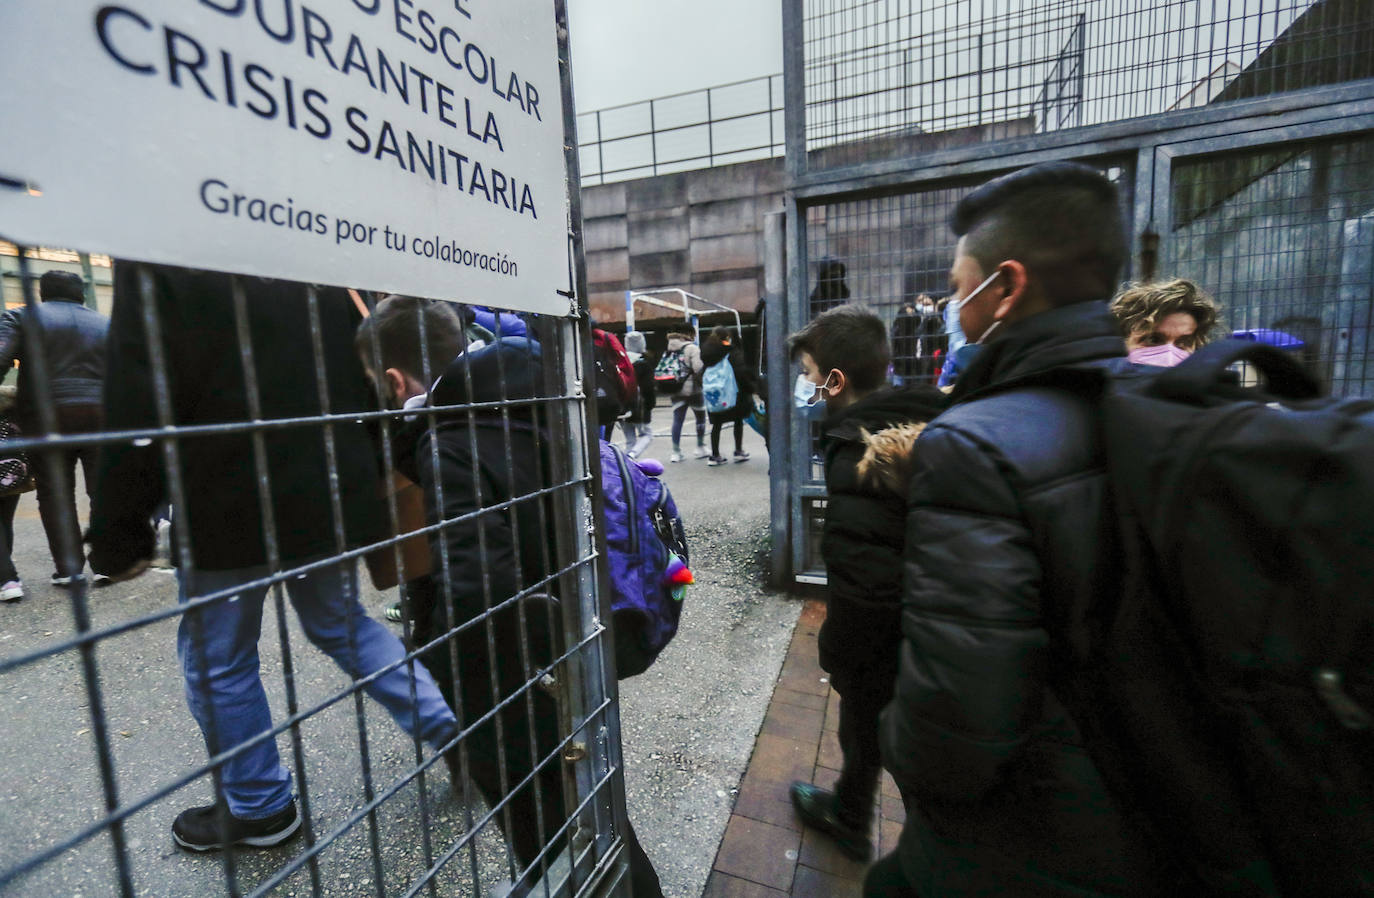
(816,807)
(716,461)
(393,613)
(741,455)
(198,829)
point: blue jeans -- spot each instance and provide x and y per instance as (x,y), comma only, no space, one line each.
(224,689)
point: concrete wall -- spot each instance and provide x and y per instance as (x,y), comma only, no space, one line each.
(703,230)
(700,230)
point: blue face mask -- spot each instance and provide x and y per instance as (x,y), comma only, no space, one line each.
(960,303)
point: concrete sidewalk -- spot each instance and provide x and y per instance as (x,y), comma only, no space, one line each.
(766,852)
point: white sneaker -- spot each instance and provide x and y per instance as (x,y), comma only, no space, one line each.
(641,444)
(55,580)
(702,452)
(675,457)
(12,591)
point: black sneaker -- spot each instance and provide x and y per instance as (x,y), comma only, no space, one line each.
(816,807)
(197,829)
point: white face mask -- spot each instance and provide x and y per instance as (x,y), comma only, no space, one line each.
(805,394)
(958,304)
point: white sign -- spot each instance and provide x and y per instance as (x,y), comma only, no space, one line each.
(411,146)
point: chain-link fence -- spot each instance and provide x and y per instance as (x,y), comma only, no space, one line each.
(898,70)
(1237,134)
(240,419)
(279,513)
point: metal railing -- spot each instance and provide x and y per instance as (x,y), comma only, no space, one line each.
(890,69)
(736,122)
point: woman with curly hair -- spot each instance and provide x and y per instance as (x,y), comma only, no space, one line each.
(1164,322)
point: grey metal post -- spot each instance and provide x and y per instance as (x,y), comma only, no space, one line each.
(772,141)
(793,310)
(1350,368)
(779,397)
(653,137)
(594,668)
(88,279)
(600,152)
(710,132)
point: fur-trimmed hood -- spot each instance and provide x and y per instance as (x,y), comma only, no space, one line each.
(886,424)
(886,462)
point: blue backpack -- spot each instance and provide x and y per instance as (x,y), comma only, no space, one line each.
(718,387)
(646,549)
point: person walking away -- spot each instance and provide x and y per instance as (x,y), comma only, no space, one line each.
(906,334)
(1008,522)
(511,465)
(721,345)
(15,480)
(868,426)
(73,343)
(688,395)
(830,290)
(638,425)
(932,342)
(221,525)
(1164,322)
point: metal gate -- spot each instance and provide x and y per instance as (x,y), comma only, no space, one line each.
(99,753)
(1241,136)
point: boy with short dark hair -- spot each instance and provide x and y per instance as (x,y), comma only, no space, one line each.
(477,447)
(869,430)
(485,457)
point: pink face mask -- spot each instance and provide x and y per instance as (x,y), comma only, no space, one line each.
(1165,355)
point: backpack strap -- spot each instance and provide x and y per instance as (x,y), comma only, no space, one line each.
(1205,371)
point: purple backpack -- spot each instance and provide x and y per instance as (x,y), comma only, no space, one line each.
(646,549)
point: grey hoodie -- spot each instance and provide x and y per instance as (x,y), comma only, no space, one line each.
(691,353)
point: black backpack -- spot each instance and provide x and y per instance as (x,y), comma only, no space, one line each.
(1228,695)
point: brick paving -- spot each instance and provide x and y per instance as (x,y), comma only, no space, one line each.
(766,852)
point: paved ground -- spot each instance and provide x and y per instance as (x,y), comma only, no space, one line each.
(689,724)
(766,852)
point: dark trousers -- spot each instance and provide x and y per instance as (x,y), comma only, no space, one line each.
(715,436)
(517,748)
(8,505)
(862,697)
(57,489)
(886,879)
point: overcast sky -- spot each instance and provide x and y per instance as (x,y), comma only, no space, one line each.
(627,50)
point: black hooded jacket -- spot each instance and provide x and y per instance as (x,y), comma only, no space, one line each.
(1008,523)
(863,536)
(466,460)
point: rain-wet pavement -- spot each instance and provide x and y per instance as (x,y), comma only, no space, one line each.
(689,725)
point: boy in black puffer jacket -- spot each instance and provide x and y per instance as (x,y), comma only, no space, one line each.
(869,431)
